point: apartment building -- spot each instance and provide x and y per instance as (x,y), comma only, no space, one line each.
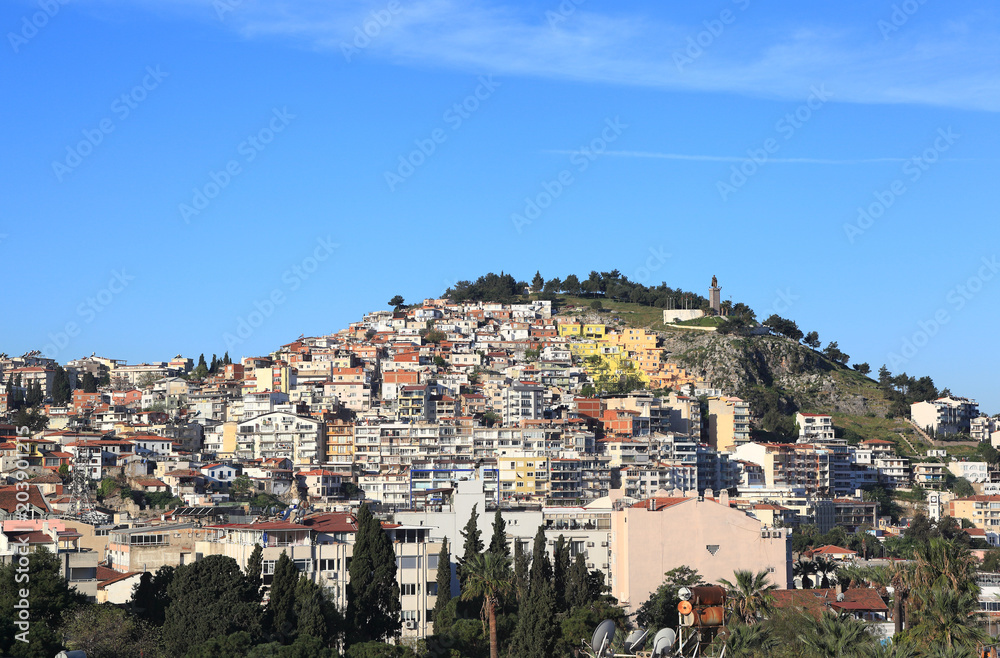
(281,434)
(982,510)
(522,402)
(814,427)
(947,415)
(728,423)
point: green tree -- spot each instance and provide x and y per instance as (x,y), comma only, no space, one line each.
(522,564)
(49,598)
(536,630)
(61,390)
(571,285)
(830,636)
(863,368)
(785,327)
(149,596)
(537,283)
(812,340)
(255,566)
(105,631)
(373,607)
(208,598)
(749,597)
(832,352)
(963,488)
(748,641)
(308,609)
(473,544)
(487,576)
(443,584)
(498,542)
(660,609)
(578,584)
(281,606)
(560,572)
(397,302)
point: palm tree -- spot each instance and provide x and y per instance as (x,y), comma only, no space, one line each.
(488,575)
(804,570)
(744,641)
(824,567)
(831,636)
(943,620)
(750,596)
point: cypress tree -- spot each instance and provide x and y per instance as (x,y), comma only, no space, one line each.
(536,630)
(522,563)
(498,543)
(473,543)
(254,567)
(61,390)
(443,579)
(578,584)
(309,609)
(373,607)
(541,566)
(561,566)
(281,607)
(89,383)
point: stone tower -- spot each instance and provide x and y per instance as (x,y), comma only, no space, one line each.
(714,299)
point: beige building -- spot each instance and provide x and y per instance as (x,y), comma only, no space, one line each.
(982,511)
(728,423)
(653,536)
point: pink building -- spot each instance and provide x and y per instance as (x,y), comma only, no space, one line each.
(656,535)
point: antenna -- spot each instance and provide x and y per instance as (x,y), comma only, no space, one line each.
(663,641)
(601,643)
(635,640)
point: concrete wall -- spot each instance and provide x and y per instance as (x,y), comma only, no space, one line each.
(646,544)
(680,315)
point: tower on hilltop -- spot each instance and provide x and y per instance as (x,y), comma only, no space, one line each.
(714,295)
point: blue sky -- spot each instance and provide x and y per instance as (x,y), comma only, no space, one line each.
(172,166)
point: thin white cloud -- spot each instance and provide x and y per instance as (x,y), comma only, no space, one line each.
(955,64)
(728,158)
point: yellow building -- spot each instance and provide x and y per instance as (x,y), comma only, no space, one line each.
(982,511)
(275,378)
(594,331)
(523,474)
(632,340)
(570,328)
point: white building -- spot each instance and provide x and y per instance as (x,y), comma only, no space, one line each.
(814,427)
(522,402)
(948,415)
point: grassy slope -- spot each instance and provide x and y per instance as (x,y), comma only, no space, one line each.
(637,315)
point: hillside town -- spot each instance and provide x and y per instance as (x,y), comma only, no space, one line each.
(442,414)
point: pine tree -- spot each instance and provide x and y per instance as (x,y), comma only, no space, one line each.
(443,581)
(373,607)
(473,543)
(578,584)
(309,609)
(89,383)
(538,282)
(214,366)
(254,567)
(281,607)
(226,360)
(522,563)
(560,575)
(498,543)
(201,362)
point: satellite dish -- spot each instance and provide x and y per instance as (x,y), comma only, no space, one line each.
(603,636)
(684,594)
(663,641)
(635,640)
